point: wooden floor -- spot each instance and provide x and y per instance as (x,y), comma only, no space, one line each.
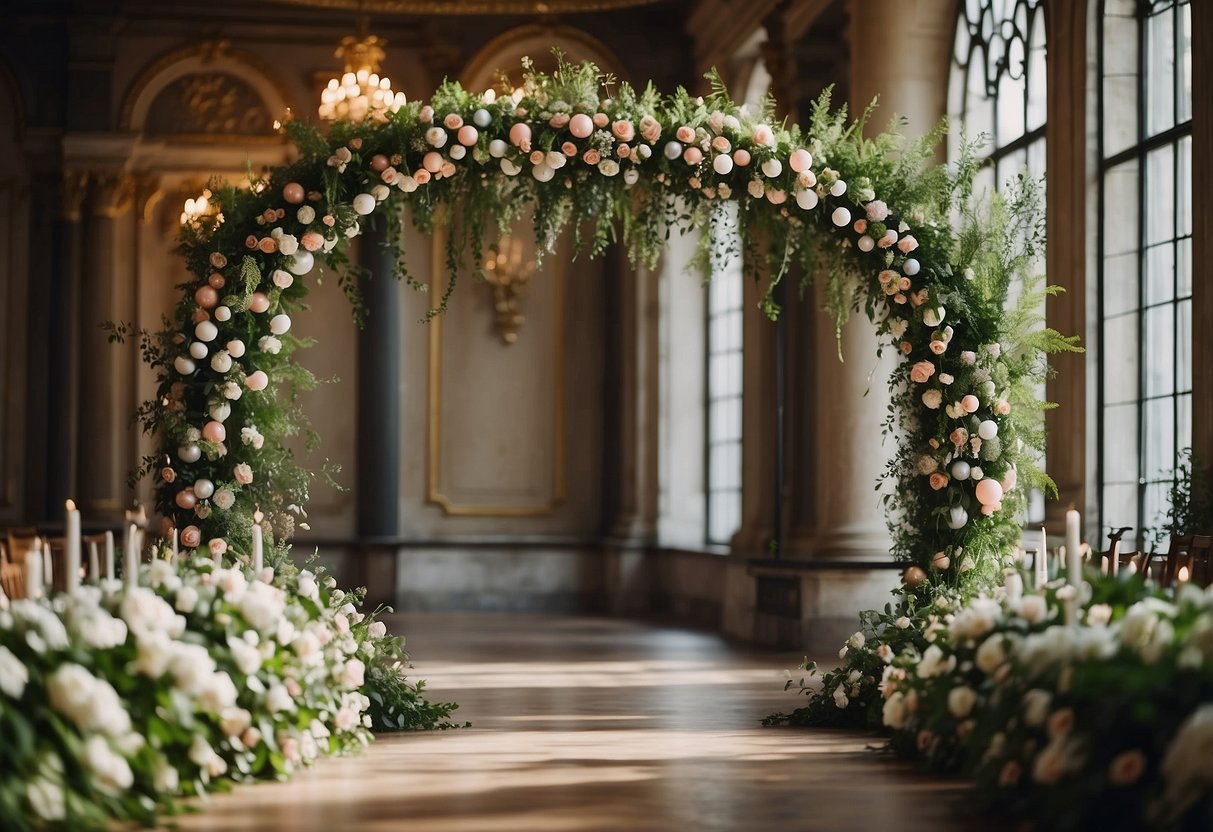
(584,724)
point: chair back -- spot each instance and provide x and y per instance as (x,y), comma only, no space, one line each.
(1190,558)
(12,580)
(58,550)
(20,541)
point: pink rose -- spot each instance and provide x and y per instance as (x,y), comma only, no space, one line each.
(939,481)
(623,151)
(191,536)
(650,129)
(453,121)
(559,120)
(922,371)
(591,157)
(685,134)
(1127,768)
(968,357)
(1002,407)
(899,298)
(907,244)
(218,547)
(776,197)
(250,241)
(268,245)
(763,135)
(861,225)
(569,149)
(721,145)
(959,436)
(421,176)
(537,157)
(888,239)
(329,220)
(218,261)
(905,348)
(448,169)
(389,176)
(312,241)
(243,473)
(939,347)
(903,283)
(624,131)
(601,120)
(887,276)
(426,116)
(877,211)
(168,474)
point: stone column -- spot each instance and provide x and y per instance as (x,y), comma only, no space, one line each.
(379,380)
(105,419)
(852,395)
(62,417)
(1066,255)
(632,382)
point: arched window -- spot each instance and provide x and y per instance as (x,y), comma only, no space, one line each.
(998,85)
(1144,297)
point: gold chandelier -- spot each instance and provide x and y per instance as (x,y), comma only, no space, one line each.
(360,93)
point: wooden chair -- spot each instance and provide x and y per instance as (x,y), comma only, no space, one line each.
(12,580)
(58,550)
(1190,558)
(20,541)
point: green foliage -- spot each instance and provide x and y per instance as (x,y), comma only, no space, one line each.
(1190,498)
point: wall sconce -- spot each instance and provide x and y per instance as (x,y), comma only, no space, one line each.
(508,274)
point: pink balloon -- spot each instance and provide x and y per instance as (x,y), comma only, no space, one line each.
(216,280)
(741,157)
(259,302)
(989,492)
(214,431)
(293,193)
(969,403)
(257,381)
(186,498)
(581,126)
(468,135)
(520,134)
(206,297)
(379,163)
(800,160)
(432,161)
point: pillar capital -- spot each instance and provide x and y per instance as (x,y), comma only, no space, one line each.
(113,193)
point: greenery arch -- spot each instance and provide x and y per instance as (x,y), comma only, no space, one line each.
(897,237)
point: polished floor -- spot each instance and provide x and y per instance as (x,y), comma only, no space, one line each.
(591,725)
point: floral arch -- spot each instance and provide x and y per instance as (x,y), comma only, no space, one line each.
(628,166)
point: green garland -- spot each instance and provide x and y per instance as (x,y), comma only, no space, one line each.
(894,234)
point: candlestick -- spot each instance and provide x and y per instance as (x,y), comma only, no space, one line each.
(48,565)
(109,556)
(1014,584)
(1073,548)
(258,554)
(1114,557)
(71,532)
(130,570)
(1042,558)
(173,554)
(94,562)
(32,567)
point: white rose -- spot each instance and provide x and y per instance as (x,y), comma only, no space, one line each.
(840,697)
(246,657)
(91,703)
(902,623)
(352,675)
(857,640)
(935,663)
(164,777)
(885,653)
(894,712)
(1036,704)
(13,674)
(377,629)
(897,327)
(1033,608)
(306,646)
(269,344)
(46,799)
(232,391)
(307,585)
(110,771)
(991,654)
(278,699)
(187,599)
(932,398)
(224,499)
(201,753)
(305,214)
(288,244)
(234,721)
(961,701)
(346,720)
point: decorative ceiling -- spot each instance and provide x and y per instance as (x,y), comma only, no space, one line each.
(462,7)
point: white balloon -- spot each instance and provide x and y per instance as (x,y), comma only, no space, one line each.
(838,188)
(866,243)
(911,267)
(220,411)
(364,204)
(807,198)
(722,164)
(482,118)
(498,148)
(960,470)
(184,365)
(198,350)
(206,331)
(302,260)
(458,152)
(772,168)
(841,217)
(672,150)
(189,453)
(235,347)
(223,313)
(204,489)
(988,429)
(280,324)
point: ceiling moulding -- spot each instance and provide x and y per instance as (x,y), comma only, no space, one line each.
(460,7)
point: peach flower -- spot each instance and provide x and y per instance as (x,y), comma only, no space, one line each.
(721,144)
(601,120)
(250,241)
(312,241)
(591,157)
(218,547)
(537,157)
(569,149)
(922,371)
(243,473)
(905,347)
(623,151)
(650,129)
(685,134)
(939,481)
(421,176)
(1127,767)
(268,245)
(191,536)
(763,135)
(559,121)
(329,220)
(939,347)
(861,226)
(907,244)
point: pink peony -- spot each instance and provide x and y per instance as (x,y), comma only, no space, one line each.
(877,211)
(922,371)
(650,129)
(312,241)
(243,473)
